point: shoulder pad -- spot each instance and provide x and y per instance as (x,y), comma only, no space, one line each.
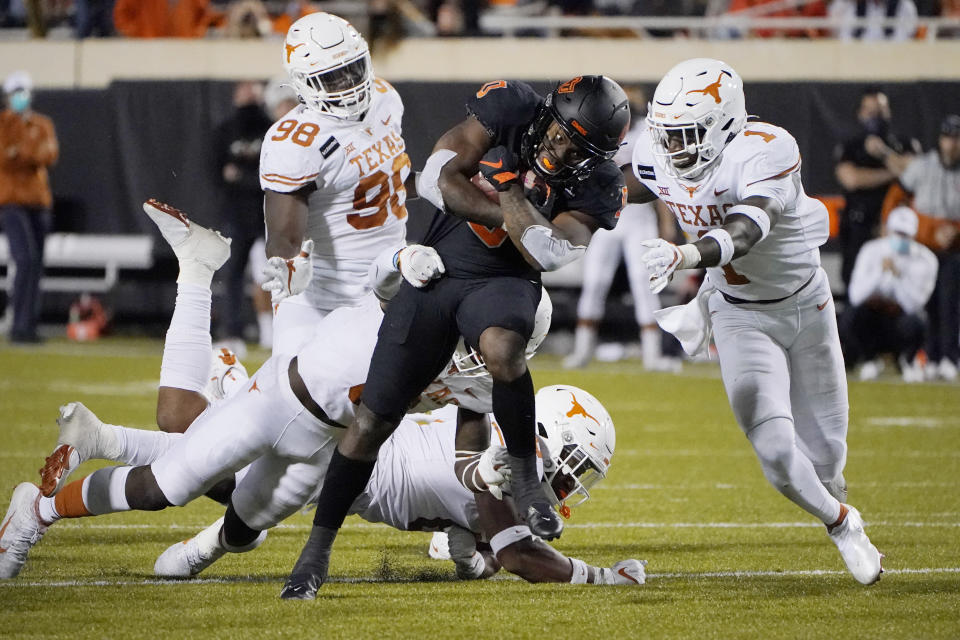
(771,150)
(502,104)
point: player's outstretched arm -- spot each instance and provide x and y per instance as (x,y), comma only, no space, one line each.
(468,141)
(285,215)
(534,560)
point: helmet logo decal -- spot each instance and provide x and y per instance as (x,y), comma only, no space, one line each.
(712,89)
(291,48)
(567,87)
(578,410)
(490,86)
(579,127)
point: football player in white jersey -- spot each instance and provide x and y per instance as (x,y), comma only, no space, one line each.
(332,171)
(412,489)
(735,187)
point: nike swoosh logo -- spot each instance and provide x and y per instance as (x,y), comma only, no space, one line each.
(387,121)
(720,192)
(495,165)
(626,575)
(821,307)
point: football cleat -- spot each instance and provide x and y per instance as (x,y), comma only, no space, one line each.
(21,529)
(188,558)
(189,240)
(861,557)
(82,437)
(227,375)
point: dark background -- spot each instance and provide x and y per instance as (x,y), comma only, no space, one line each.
(140,139)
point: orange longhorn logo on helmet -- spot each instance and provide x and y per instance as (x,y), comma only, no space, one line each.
(291,48)
(567,87)
(712,89)
(578,410)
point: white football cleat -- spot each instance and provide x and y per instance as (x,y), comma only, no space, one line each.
(861,557)
(21,529)
(439,546)
(189,240)
(188,558)
(83,436)
(227,375)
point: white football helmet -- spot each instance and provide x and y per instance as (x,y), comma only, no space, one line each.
(329,65)
(699,102)
(579,438)
(468,361)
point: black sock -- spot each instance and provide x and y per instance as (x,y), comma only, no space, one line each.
(345,480)
(235,532)
(515,410)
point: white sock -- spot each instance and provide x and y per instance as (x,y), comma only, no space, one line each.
(186,351)
(650,345)
(139,447)
(265,324)
(47,509)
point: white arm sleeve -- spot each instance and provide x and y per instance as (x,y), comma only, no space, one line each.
(549,252)
(384,276)
(428,180)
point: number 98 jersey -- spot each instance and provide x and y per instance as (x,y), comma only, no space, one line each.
(358,208)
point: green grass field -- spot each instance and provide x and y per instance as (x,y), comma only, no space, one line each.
(728,556)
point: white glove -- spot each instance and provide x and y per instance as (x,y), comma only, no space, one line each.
(632,572)
(463,551)
(290,276)
(419,264)
(494,469)
(663,258)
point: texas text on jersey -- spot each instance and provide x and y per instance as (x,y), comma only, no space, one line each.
(468,249)
(358,208)
(762,160)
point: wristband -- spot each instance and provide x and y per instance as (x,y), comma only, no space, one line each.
(580,571)
(689,256)
(758,215)
(722,238)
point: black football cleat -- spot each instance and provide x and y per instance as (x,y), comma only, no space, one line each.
(543,521)
(301,586)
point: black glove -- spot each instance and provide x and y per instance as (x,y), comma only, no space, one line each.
(500,168)
(538,193)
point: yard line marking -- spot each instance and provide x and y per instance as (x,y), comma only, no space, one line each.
(923,422)
(700,486)
(581,525)
(158,582)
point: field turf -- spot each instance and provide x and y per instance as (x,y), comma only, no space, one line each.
(728,556)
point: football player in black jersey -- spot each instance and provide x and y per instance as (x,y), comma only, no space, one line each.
(546,182)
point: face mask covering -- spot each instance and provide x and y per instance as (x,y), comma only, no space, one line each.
(900,244)
(877,126)
(20,101)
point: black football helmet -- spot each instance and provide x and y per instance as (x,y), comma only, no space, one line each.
(593,111)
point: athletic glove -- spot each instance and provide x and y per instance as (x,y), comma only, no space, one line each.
(419,264)
(500,168)
(538,193)
(663,258)
(463,551)
(290,276)
(631,572)
(494,469)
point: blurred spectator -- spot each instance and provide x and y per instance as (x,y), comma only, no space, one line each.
(238,140)
(28,145)
(778,9)
(164,18)
(905,11)
(934,181)
(638,222)
(892,281)
(94,18)
(864,176)
(248,19)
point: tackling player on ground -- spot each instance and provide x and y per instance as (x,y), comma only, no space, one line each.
(736,186)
